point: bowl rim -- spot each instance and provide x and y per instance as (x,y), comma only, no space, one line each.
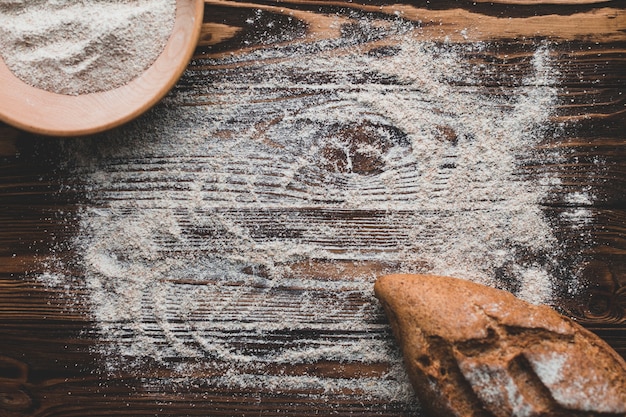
(51,114)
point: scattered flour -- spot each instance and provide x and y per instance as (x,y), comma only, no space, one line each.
(578,215)
(582,390)
(203,219)
(549,370)
(497,390)
(75,47)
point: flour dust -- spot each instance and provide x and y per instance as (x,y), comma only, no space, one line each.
(246,232)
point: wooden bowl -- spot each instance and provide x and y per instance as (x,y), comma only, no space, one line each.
(47,113)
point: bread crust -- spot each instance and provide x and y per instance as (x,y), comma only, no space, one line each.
(472,350)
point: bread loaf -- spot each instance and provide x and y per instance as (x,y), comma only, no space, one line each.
(472,350)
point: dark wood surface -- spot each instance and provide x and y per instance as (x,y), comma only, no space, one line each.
(50,364)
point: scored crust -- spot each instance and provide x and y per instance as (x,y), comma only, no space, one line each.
(472,350)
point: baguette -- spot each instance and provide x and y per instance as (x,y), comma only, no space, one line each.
(471,350)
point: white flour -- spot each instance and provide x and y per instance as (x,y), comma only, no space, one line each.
(76,47)
(203,219)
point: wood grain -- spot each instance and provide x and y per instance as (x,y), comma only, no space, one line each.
(50,362)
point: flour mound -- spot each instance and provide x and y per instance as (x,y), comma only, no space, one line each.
(74,47)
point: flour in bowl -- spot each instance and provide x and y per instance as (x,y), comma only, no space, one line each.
(75,47)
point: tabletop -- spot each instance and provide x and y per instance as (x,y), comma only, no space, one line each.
(217,255)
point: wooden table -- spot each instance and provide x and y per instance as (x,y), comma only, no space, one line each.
(261,246)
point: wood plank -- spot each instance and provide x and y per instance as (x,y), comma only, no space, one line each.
(272,213)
